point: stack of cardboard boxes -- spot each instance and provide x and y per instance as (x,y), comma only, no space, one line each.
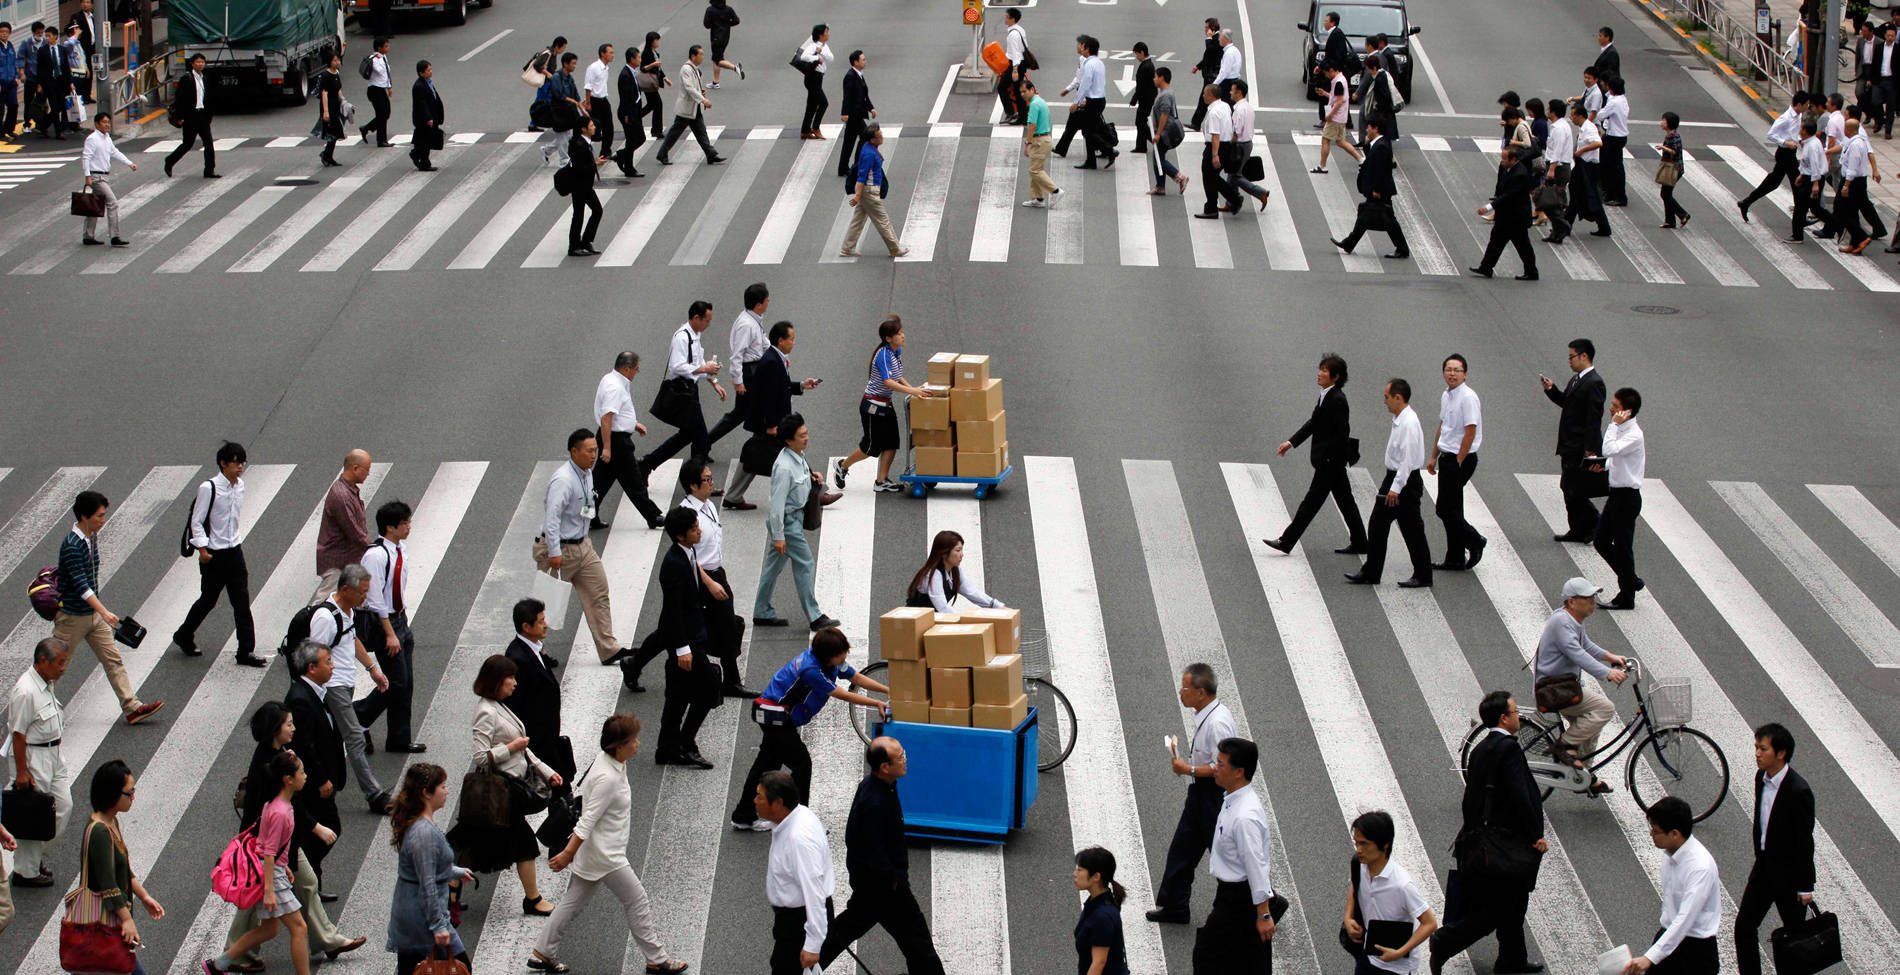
(960,431)
(955,668)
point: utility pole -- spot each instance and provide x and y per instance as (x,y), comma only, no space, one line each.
(1824,67)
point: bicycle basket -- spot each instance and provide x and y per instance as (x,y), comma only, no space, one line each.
(1669,704)
(1035,653)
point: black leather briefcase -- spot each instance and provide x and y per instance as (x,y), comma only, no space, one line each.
(1808,945)
(29,814)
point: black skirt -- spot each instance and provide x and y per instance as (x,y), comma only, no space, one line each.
(487,850)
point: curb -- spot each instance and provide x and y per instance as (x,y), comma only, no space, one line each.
(1708,57)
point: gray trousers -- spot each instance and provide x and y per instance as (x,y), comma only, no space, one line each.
(736,484)
(102,185)
(626,887)
(342,704)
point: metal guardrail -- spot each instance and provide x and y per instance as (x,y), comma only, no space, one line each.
(1737,43)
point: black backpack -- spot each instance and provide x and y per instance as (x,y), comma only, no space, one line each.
(185,549)
(362,67)
(299,629)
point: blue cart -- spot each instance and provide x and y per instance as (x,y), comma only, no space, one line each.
(967,784)
(920,483)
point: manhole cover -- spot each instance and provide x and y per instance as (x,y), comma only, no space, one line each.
(1655,310)
(291,181)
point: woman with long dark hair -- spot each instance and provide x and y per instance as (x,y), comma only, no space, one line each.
(938,584)
(419,918)
(330,105)
(279,909)
(876,413)
(650,63)
(1098,934)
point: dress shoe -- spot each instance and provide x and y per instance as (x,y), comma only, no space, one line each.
(1203,215)
(1398,256)
(670,758)
(655,524)
(187,650)
(1739,205)
(822,621)
(716,160)
(1477,552)
(579,252)
(369,747)
(1527,277)
(718,492)
(379,803)
(385,145)
(598,525)
(211,175)
(1415,583)
(1169,915)
(121,242)
(1278,545)
(663,160)
(1623,600)
(692,758)
(251,660)
(1483,272)
(1521,968)
(1450,565)
(770,621)
(738,690)
(1357,548)
(142,712)
(168,169)
(1600,232)
(91,241)
(1570,537)
(1086,165)
(738,505)
(42,879)
(328,898)
(413,748)
(345,948)
(1361,579)
(1553,239)
(1339,245)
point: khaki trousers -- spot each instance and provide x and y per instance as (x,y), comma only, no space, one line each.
(102,187)
(6,903)
(870,206)
(1584,720)
(90,627)
(323,933)
(581,567)
(326,585)
(1040,185)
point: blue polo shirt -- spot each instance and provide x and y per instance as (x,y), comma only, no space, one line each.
(808,683)
(870,166)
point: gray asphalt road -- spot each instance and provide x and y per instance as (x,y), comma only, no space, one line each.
(1756,390)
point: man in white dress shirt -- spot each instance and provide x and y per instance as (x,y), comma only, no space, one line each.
(1090,87)
(1460,433)
(1691,897)
(35,723)
(798,874)
(1398,495)
(619,423)
(1858,163)
(563,545)
(594,88)
(380,88)
(333,626)
(1194,833)
(1624,452)
(1784,137)
(96,163)
(686,365)
(1811,167)
(748,345)
(217,541)
(1614,119)
(1237,938)
(382,625)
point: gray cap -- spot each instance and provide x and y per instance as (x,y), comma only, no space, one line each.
(1579,586)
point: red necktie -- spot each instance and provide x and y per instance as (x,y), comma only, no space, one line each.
(396,583)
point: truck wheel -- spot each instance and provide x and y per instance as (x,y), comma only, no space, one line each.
(294,91)
(456,11)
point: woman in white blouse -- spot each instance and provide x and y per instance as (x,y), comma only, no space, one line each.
(501,743)
(598,853)
(938,584)
(816,53)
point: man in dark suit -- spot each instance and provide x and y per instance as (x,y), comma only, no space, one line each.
(692,674)
(627,86)
(857,110)
(1338,51)
(426,111)
(1379,189)
(537,696)
(56,82)
(1207,68)
(1144,97)
(1330,426)
(1511,216)
(1579,432)
(189,105)
(1783,840)
(316,742)
(1608,63)
(772,387)
(1499,791)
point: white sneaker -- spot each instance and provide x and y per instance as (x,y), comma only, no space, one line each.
(1053,196)
(1035,204)
(838,473)
(755,826)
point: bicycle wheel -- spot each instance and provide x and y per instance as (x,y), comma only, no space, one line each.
(1681,762)
(1532,737)
(1055,722)
(861,718)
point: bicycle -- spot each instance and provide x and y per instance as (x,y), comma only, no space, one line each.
(1055,717)
(1680,761)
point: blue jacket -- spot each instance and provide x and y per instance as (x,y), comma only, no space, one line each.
(805,676)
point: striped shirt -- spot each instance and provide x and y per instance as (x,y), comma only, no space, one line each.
(885,365)
(78,572)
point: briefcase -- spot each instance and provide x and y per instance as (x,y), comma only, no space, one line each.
(29,814)
(86,203)
(674,397)
(1808,945)
(1253,170)
(1371,215)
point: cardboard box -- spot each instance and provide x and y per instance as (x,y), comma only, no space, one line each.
(959,644)
(968,403)
(934,413)
(910,680)
(950,687)
(933,438)
(916,712)
(942,369)
(901,634)
(1007,621)
(943,618)
(973,371)
(981,435)
(1003,717)
(959,717)
(986,464)
(998,682)
(936,461)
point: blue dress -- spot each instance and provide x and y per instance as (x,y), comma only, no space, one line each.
(420,906)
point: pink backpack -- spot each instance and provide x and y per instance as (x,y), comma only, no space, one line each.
(239,876)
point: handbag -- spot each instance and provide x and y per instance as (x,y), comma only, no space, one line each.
(88,942)
(646,81)
(1549,196)
(564,813)
(1494,853)
(803,66)
(1668,173)
(445,965)
(759,453)
(1253,170)
(814,507)
(75,109)
(1809,944)
(671,401)
(86,203)
(1558,691)
(29,813)
(564,181)
(486,799)
(1371,215)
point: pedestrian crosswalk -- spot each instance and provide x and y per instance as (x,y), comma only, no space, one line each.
(1769,598)
(955,197)
(17,171)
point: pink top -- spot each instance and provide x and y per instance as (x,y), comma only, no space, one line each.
(274,827)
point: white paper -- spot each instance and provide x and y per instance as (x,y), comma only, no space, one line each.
(549,588)
(1613,962)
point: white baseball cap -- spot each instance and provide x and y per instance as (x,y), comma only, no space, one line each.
(1579,586)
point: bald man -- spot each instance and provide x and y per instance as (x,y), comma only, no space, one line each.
(343,534)
(878,856)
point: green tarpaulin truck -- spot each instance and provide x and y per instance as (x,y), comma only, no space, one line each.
(255,50)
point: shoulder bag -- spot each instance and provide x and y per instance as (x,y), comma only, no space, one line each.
(646,81)
(185,550)
(673,398)
(1668,172)
(1495,853)
(89,941)
(799,62)
(1558,691)
(815,507)
(485,798)
(1346,941)
(564,814)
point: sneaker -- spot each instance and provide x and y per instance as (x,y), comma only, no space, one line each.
(713,85)
(741,66)
(1053,196)
(838,473)
(755,826)
(894,487)
(1036,204)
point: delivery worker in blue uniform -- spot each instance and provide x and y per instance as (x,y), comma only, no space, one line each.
(795,695)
